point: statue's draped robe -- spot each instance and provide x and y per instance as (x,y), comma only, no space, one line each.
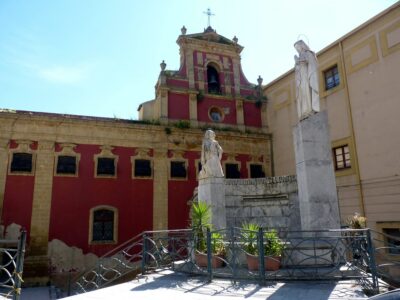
(307,86)
(211,154)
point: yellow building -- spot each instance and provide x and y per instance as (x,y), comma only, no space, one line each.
(359,78)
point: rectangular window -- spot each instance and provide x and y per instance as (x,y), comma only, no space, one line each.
(392,240)
(341,157)
(331,78)
(232,171)
(105,166)
(256,171)
(103,225)
(21,162)
(66,164)
(178,169)
(142,168)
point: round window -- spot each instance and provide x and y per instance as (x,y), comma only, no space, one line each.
(216,114)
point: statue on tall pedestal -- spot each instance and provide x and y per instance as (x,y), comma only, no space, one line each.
(211,154)
(307,87)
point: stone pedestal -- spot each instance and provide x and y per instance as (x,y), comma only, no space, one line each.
(318,202)
(212,191)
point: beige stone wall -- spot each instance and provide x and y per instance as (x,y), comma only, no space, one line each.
(281,114)
(363,113)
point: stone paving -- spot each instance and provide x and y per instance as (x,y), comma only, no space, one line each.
(170,285)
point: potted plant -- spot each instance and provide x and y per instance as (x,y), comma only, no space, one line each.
(201,216)
(272,248)
(357,241)
(249,243)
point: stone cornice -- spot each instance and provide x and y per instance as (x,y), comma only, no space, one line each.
(78,131)
(209,46)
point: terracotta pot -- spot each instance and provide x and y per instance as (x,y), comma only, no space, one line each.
(201,260)
(271,263)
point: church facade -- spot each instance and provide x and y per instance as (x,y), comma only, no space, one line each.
(93,183)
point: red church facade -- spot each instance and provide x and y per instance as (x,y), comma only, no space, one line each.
(93,183)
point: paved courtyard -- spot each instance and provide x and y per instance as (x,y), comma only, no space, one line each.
(170,285)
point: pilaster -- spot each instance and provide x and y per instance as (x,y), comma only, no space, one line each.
(190,67)
(160,189)
(240,115)
(236,75)
(264,117)
(42,198)
(37,263)
(164,105)
(3,170)
(193,110)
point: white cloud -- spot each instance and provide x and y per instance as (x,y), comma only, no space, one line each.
(65,74)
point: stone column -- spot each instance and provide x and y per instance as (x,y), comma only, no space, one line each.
(3,171)
(212,191)
(36,264)
(318,202)
(160,189)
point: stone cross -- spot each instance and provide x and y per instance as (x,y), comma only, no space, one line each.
(209,14)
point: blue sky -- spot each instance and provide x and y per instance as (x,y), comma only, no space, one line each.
(101,58)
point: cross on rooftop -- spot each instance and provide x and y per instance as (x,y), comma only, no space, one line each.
(209,14)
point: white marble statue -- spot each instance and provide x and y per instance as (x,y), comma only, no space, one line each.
(211,154)
(306,74)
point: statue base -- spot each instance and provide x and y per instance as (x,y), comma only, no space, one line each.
(318,202)
(211,190)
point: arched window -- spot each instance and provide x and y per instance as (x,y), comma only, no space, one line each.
(103,224)
(213,80)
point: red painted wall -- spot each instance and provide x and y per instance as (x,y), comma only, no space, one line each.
(204,105)
(73,197)
(178,82)
(178,106)
(179,193)
(18,197)
(252,114)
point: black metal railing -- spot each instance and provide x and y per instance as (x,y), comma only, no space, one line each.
(387,258)
(11,266)
(301,255)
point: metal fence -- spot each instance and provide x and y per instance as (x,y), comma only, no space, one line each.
(11,266)
(387,258)
(305,255)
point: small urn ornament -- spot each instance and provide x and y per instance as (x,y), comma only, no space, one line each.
(235,40)
(259,80)
(183,30)
(163,65)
